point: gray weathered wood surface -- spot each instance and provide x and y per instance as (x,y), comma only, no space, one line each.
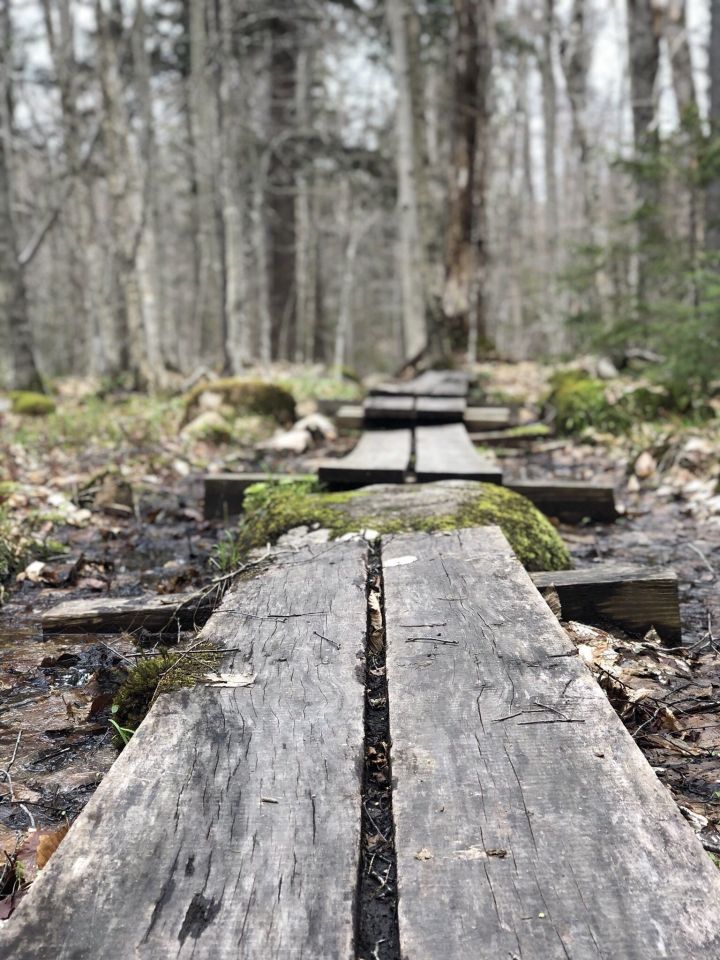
(634,598)
(488,418)
(432,383)
(350,417)
(230,825)
(225,492)
(395,410)
(446,453)
(380,456)
(528,823)
(115,614)
(440,409)
(569,500)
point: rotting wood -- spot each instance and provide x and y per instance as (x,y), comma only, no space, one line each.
(153,612)
(380,456)
(528,822)
(225,492)
(569,501)
(230,825)
(446,453)
(634,598)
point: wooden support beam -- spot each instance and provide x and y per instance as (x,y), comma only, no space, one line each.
(440,409)
(633,598)
(225,492)
(350,417)
(446,453)
(433,383)
(393,411)
(569,501)
(230,825)
(528,823)
(381,456)
(153,612)
(488,418)
(506,438)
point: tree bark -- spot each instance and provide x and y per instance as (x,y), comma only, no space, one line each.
(411,252)
(14,316)
(549,102)
(675,33)
(712,195)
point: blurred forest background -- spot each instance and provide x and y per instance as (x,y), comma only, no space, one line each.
(221,183)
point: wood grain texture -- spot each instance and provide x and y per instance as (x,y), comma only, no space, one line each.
(634,598)
(520,835)
(380,456)
(446,453)
(230,825)
(225,492)
(569,501)
(115,614)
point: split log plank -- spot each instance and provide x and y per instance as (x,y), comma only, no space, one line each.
(432,383)
(447,453)
(634,598)
(380,456)
(225,492)
(528,823)
(230,825)
(153,612)
(569,501)
(390,410)
(440,409)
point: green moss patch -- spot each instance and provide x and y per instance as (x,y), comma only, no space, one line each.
(580,401)
(246,397)
(162,674)
(274,508)
(31,404)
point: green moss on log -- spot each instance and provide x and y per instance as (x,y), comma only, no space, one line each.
(162,674)
(580,401)
(272,509)
(31,404)
(246,397)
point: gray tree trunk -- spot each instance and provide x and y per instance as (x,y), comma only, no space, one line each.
(712,196)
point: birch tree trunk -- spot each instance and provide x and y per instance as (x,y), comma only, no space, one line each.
(14,316)
(411,253)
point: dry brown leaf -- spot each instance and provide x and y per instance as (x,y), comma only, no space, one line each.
(48,844)
(376,622)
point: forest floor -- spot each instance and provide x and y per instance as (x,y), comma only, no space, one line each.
(105,498)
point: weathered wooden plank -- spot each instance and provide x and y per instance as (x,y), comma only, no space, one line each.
(446,453)
(506,438)
(528,823)
(225,492)
(391,410)
(230,825)
(154,612)
(440,409)
(380,456)
(488,418)
(350,417)
(432,383)
(634,598)
(569,501)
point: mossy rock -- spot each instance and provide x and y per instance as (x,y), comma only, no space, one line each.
(31,404)
(246,397)
(274,508)
(162,674)
(581,401)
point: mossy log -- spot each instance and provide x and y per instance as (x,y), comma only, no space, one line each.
(271,510)
(245,397)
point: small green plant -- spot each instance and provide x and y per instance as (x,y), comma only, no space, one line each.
(124,733)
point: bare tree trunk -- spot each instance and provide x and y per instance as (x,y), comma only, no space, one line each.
(209,295)
(281,185)
(549,101)
(411,252)
(466,241)
(233,206)
(305,261)
(14,317)
(675,33)
(712,195)
(575,57)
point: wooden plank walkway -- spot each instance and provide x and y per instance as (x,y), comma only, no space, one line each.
(528,823)
(432,383)
(230,825)
(571,501)
(447,453)
(116,614)
(634,598)
(381,456)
